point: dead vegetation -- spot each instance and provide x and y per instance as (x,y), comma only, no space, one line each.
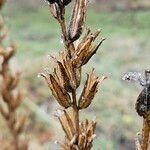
(142,107)
(66,76)
(10,94)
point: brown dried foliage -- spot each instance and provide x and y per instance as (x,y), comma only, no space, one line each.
(10,95)
(66,76)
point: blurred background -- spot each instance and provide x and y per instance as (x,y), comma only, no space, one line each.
(125,24)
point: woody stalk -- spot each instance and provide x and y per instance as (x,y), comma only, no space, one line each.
(65,78)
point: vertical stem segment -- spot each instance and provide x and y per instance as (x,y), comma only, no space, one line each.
(69,46)
(146,134)
(146,122)
(76,112)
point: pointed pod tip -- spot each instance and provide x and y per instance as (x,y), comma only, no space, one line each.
(104,77)
(56,142)
(41,75)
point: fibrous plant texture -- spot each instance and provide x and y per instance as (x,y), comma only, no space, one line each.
(10,95)
(142,106)
(66,76)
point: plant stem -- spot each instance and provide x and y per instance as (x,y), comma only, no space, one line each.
(16,142)
(76,112)
(146,122)
(68,44)
(146,134)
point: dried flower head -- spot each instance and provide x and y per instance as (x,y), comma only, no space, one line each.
(66,76)
(86,131)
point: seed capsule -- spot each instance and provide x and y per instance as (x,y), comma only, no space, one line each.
(89,90)
(77,20)
(142,105)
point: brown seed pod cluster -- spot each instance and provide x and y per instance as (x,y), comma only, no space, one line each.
(10,95)
(86,131)
(65,77)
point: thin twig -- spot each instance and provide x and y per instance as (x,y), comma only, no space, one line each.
(146,134)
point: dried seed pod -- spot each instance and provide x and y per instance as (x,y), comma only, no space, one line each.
(72,72)
(66,123)
(17,100)
(64,77)
(80,55)
(87,34)
(20,124)
(77,20)
(62,97)
(78,76)
(89,90)
(87,129)
(92,51)
(142,106)
(73,141)
(85,50)
(65,73)
(81,141)
(5,95)
(15,81)
(70,122)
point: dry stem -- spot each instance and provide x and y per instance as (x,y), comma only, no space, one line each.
(146,134)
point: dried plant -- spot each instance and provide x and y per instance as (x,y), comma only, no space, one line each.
(66,76)
(142,106)
(10,95)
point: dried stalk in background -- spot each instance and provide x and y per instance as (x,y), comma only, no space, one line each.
(10,95)
(66,76)
(142,106)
